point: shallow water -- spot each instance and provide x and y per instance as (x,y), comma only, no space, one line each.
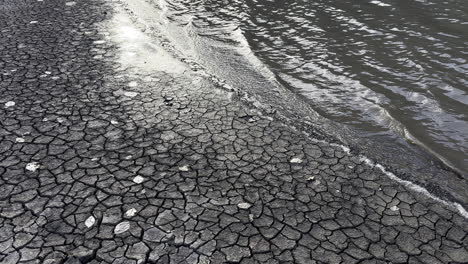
(384,67)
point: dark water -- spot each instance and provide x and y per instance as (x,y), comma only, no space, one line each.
(386,68)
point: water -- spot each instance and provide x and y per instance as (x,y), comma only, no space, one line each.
(391,69)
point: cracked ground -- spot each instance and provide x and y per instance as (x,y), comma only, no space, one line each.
(104,163)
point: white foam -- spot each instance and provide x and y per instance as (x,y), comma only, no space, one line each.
(346,149)
(415,187)
(375,2)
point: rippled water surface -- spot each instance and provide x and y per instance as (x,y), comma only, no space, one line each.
(384,67)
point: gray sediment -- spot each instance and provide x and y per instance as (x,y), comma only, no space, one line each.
(114,151)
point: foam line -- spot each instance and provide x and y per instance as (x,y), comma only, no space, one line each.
(410,185)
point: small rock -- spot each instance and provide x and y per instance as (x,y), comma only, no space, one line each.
(99,42)
(70,3)
(131,212)
(394,208)
(9,104)
(33,22)
(168,98)
(130,94)
(114,122)
(138,179)
(184,168)
(48,72)
(33,166)
(60,120)
(244,205)
(20,140)
(90,221)
(296,160)
(310,178)
(251,217)
(121,228)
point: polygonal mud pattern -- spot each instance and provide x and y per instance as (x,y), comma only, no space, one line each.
(215,180)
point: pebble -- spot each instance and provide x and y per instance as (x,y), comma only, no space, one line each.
(394,208)
(70,3)
(130,94)
(296,160)
(90,221)
(251,217)
(244,205)
(114,122)
(138,179)
(310,178)
(9,104)
(20,140)
(121,227)
(184,168)
(131,212)
(33,166)
(168,98)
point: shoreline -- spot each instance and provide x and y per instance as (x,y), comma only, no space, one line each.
(113,150)
(412,163)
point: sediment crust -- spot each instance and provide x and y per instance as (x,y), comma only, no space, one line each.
(111,151)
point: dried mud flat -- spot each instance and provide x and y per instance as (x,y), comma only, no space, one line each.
(112,151)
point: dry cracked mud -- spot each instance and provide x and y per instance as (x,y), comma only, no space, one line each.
(103,162)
